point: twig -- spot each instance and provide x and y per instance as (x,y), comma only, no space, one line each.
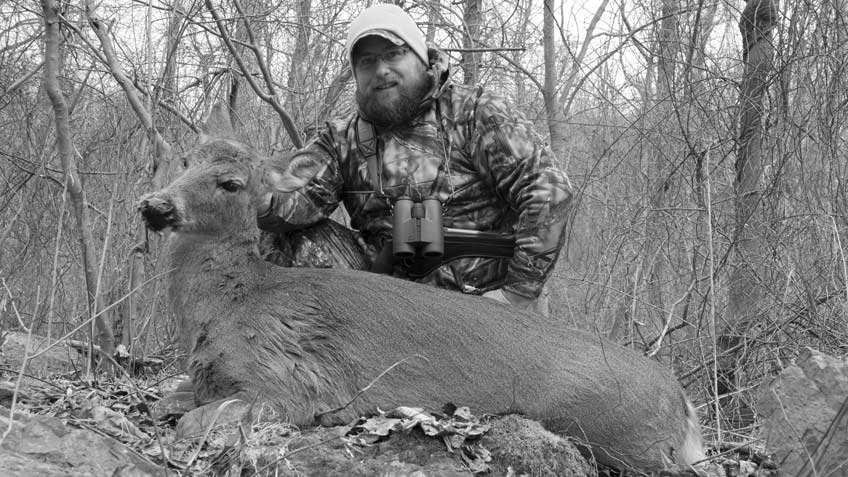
(366,388)
(291,452)
(17,84)
(24,361)
(717,406)
(127,447)
(271,96)
(842,253)
(218,412)
(14,307)
(483,50)
(33,377)
(104,310)
(658,343)
(55,268)
(140,394)
(744,445)
(828,444)
(162,148)
(97,289)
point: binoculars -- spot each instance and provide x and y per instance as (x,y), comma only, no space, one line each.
(417,227)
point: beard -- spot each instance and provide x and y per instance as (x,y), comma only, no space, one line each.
(392,112)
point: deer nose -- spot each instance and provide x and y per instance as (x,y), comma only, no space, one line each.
(155,205)
(158,213)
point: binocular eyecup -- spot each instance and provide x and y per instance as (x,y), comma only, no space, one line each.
(417,226)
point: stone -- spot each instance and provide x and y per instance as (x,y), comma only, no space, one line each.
(804,415)
(528,448)
(44,445)
(58,359)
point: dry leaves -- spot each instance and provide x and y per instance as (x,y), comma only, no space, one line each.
(459,431)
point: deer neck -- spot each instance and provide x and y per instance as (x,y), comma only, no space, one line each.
(212,268)
(193,254)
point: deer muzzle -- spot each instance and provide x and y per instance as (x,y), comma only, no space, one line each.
(158,212)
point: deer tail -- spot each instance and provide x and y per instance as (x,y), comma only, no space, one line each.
(692,448)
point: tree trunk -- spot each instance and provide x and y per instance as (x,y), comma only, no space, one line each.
(745,287)
(433,16)
(239,102)
(473,20)
(298,68)
(553,109)
(757,22)
(167,87)
(660,176)
(76,192)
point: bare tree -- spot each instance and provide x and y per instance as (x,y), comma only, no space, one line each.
(746,287)
(473,22)
(297,69)
(269,94)
(76,192)
(553,112)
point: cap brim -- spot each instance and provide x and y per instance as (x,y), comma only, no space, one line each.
(377,32)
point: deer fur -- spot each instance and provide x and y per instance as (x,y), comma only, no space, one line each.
(306,341)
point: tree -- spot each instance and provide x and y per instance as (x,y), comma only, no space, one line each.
(746,287)
(473,22)
(75,190)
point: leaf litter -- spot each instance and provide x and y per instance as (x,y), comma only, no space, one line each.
(120,408)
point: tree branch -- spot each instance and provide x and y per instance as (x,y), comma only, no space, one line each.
(162,149)
(269,97)
(17,84)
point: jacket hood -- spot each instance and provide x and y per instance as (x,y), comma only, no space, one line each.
(439,70)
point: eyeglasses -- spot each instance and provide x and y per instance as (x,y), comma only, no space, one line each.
(392,56)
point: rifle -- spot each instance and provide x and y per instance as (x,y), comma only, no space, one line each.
(458,243)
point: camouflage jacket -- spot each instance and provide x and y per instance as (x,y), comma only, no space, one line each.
(473,151)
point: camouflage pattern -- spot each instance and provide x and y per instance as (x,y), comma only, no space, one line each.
(470,149)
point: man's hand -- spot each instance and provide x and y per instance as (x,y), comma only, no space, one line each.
(505,296)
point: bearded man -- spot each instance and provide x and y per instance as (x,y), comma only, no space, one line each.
(416,136)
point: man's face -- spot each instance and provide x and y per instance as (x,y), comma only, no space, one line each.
(391,81)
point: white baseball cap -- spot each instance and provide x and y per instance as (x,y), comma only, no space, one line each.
(390,22)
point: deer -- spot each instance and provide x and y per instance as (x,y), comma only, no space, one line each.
(328,345)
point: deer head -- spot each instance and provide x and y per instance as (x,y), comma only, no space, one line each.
(221,188)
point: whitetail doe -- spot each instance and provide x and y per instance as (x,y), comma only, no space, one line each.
(306,341)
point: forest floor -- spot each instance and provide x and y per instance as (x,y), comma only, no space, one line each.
(106,426)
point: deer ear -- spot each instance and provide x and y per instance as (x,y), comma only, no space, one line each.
(217,124)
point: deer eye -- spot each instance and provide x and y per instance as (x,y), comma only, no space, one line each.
(231,185)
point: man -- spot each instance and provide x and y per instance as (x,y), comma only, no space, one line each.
(416,135)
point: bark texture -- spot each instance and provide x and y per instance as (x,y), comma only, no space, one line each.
(76,193)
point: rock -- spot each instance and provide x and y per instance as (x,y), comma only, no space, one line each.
(43,445)
(804,414)
(221,413)
(8,389)
(178,399)
(528,448)
(57,359)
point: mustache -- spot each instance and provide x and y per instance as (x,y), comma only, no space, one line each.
(383,83)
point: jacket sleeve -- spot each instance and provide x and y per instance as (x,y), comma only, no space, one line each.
(524,173)
(305,189)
